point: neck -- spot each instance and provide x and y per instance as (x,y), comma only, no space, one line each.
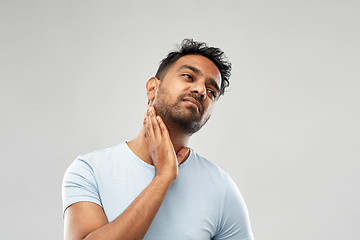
(139,147)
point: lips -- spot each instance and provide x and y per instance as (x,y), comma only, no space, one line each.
(193,101)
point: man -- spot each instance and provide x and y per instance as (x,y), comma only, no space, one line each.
(154,186)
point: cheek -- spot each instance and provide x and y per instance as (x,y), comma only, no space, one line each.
(163,96)
(209,108)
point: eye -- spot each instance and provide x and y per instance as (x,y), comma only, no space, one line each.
(188,76)
(213,94)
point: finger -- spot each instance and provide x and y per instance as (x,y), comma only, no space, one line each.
(150,126)
(146,131)
(182,154)
(155,124)
(164,130)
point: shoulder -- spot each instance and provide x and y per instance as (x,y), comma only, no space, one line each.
(234,220)
(81,179)
(92,162)
(207,165)
(210,170)
(102,154)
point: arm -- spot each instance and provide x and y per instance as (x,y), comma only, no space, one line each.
(235,223)
(85,220)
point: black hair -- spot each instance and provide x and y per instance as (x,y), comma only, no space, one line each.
(191,47)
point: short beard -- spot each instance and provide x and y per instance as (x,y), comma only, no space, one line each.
(173,115)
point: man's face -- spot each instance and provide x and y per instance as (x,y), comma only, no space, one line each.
(186,94)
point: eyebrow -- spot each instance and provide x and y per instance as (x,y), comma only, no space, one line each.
(197,71)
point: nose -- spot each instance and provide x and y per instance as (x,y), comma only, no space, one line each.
(200,90)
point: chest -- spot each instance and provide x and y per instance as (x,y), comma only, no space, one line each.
(190,210)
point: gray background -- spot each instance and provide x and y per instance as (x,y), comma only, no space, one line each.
(73,77)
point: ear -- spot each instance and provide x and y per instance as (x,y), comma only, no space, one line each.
(151,87)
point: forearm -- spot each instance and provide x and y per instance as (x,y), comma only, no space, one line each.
(134,222)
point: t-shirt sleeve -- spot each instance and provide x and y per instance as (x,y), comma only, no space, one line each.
(234,223)
(79,184)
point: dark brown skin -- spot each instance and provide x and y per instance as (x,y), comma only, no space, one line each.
(163,146)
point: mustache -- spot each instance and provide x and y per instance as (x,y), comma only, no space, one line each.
(194,96)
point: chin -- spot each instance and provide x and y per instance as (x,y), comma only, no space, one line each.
(190,125)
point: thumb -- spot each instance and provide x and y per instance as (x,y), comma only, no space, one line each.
(182,154)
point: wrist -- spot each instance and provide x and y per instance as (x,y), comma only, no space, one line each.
(165,179)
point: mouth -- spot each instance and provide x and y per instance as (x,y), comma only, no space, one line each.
(193,102)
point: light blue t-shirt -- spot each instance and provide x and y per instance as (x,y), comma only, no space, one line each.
(202,203)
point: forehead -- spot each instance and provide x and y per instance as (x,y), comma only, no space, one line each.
(205,65)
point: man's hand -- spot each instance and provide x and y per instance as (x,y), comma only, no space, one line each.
(160,147)
(86,220)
